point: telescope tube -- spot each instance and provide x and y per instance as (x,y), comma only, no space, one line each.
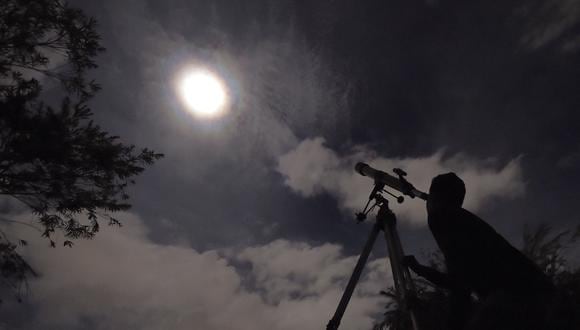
(385,178)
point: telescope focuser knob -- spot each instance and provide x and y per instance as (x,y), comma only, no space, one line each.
(400,172)
(406,187)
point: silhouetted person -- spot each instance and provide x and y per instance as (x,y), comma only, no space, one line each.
(479,261)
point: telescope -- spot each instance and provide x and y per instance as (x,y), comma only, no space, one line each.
(386,222)
(398,183)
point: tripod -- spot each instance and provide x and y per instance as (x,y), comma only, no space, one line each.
(386,221)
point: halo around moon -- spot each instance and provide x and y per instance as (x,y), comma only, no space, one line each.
(203,93)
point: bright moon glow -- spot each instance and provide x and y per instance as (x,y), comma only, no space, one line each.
(203,93)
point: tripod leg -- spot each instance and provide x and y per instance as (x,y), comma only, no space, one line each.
(404,285)
(410,291)
(410,286)
(398,275)
(362,259)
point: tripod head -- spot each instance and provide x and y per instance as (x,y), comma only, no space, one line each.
(378,200)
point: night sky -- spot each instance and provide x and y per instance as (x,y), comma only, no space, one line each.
(247,223)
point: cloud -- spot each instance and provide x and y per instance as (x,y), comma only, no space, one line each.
(123,280)
(569,160)
(284,268)
(551,22)
(312,168)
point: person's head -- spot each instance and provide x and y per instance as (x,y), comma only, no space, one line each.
(447,191)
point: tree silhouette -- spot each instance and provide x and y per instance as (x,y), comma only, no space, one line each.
(56,160)
(545,247)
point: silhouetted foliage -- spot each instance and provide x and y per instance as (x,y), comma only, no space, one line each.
(56,161)
(34,33)
(432,302)
(546,248)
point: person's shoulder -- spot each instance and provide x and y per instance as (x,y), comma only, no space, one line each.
(458,213)
(465,213)
(474,220)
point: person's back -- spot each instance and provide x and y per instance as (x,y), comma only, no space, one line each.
(478,259)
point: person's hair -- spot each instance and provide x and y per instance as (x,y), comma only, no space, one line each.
(448,188)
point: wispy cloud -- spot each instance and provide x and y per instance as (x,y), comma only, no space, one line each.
(281,89)
(279,85)
(551,23)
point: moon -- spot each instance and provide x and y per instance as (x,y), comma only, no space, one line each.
(203,93)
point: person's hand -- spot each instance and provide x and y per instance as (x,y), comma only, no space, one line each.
(411,262)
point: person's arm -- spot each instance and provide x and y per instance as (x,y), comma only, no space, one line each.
(430,274)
